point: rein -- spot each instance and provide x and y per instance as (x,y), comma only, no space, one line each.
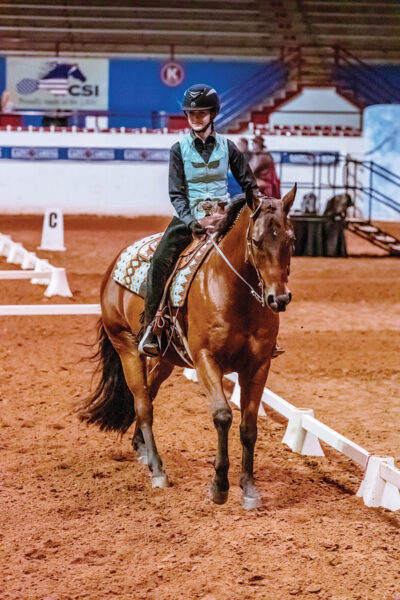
(257,296)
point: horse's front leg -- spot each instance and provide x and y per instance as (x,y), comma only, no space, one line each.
(251,391)
(210,377)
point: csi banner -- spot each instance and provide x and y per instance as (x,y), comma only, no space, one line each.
(39,83)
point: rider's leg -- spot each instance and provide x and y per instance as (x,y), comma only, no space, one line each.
(175,239)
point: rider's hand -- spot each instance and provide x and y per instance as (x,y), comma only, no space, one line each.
(197,228)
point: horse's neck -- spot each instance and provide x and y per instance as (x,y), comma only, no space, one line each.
(234,243)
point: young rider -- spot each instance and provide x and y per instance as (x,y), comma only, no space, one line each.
(198,173)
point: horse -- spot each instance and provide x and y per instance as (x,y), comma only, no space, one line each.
(231,321)
(338,205)
(56,70)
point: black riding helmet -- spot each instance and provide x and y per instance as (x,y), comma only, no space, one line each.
(201,97)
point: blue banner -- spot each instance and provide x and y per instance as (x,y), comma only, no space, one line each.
(145,155)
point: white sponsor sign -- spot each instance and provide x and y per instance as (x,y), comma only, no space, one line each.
(91,153)
(34,153)
(59,83)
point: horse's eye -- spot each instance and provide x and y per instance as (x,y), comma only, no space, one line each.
(288,270)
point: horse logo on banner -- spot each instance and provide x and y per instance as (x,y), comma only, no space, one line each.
(55,80)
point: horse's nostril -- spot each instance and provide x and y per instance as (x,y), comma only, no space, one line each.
(270,299)
(290,296)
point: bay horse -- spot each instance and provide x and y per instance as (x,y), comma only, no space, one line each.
(231,320)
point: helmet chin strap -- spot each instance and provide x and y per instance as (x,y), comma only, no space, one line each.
(209,124)
(204,129)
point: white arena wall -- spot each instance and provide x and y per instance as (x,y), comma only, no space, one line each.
(117,187)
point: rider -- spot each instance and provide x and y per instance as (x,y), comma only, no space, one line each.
(198,172)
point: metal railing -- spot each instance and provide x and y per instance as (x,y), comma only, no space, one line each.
(257,89)
(363,79)
(329,174)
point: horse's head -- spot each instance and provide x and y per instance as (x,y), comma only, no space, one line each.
(76,73)
(270,244)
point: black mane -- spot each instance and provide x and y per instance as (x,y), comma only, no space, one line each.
(233,210)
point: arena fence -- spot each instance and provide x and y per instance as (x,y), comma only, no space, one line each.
(38,270)
(14,310)
(381,482)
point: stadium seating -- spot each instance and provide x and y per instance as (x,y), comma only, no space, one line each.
(368,28)
(309,43)
(148,26)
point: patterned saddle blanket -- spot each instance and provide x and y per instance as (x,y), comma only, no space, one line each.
(133,264)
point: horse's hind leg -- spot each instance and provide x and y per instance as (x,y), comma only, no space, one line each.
(135,374)
(139,445)
(210,377)
(158,372)
(250,397)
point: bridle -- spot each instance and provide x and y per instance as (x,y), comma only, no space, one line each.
(250,255)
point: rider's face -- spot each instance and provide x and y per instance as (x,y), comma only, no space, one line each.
(198,119)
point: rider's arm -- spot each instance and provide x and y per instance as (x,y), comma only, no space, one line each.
(240,168)
(177,185)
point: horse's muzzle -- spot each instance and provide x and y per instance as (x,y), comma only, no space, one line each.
(279,303)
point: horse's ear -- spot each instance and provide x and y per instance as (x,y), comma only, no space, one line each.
(250,198)
(289,199)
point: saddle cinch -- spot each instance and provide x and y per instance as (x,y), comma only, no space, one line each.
(131,272)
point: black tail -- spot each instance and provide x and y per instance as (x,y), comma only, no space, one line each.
(111,405)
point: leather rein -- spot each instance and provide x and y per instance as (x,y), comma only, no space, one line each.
(250,253)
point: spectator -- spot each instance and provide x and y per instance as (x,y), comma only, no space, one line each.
(258,153)
(309,204)
(267,180)
(7,105)
(57,118)
(243,146)
(263,167)
(7,109)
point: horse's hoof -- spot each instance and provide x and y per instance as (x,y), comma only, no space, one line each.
(220,497)
(217,496)
(251,502)
(160,482)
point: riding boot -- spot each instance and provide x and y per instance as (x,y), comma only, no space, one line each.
(149,343)
(176,237)
(277,351)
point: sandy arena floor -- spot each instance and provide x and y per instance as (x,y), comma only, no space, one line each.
(78,518)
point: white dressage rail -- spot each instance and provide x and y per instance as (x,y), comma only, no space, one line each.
(16,310)
(381,482)
(38,270)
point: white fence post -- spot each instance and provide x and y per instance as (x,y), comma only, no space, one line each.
(190,374)
(15,253)
(58,285)
(42,264)
(376,490)
(299,439)
(5,244)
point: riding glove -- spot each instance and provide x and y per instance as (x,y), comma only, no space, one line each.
(196,227)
